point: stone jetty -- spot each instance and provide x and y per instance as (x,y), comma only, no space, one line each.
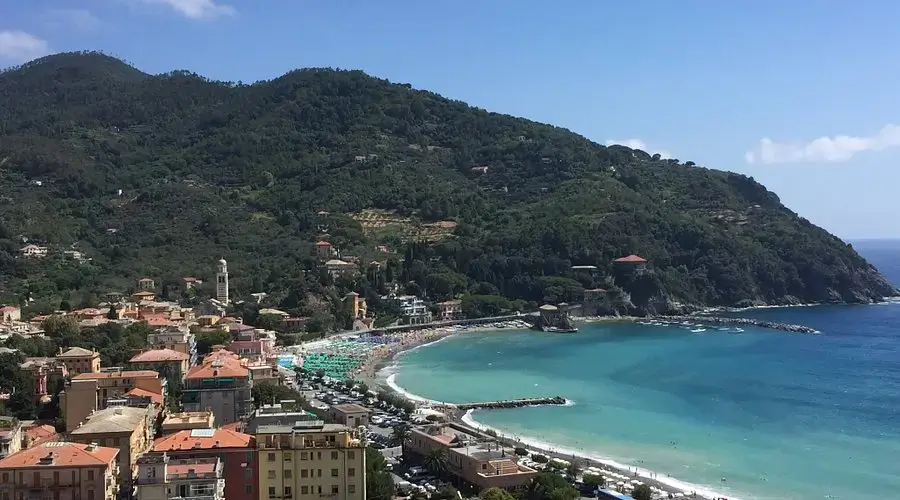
(513,403)
(720,320)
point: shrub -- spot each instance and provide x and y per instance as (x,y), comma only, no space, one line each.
(541,459)
(522,452)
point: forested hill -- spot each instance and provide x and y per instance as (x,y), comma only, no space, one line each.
(258,173)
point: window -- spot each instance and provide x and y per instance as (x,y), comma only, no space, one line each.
(320,489)
(90,494)
(248,472)
(271,474)
(288,457)
(287,492)
(271,457)
(334,455)
(56,478)
(288,473)
(351,488)
(334,489)
(319,455)
(351,455)
(304,455)
(249,457)
(36,480)
(319,473)
(304,490)
(334,472)
(248,489)
(351,472)
(6,477)
(271,492)
(302,472)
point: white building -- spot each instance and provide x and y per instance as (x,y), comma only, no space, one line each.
(414,310)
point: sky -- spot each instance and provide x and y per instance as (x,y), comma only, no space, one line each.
(799,95)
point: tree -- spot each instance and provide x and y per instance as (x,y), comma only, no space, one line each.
(206,341)
(496,494)
(266,393)
(436,461)
(399,435)
(62,327)
(379,485)
(594,480)
(550,486)
(642,492)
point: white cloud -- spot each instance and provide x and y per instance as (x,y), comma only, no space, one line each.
(639,144)
(79,19)
(824,149)
(18,47)
(197,9)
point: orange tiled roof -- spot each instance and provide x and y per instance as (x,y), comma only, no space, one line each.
(159,355)
(221,363)
(64,455)
(40,434)
(126,374)
(143,294)
(189,440)
(156,398)
(631,258)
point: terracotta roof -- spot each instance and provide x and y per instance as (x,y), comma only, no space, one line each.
(156,321)
(156,398)
(211,438)
(182,468)
(78,352)
(40,434)
(125,374)
(631,258)
(221,363)
(64,455)
(323,244)
(159,355)
(9,308)
(143,294)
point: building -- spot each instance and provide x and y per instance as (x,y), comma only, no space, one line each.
(89,392)
(221,384)
(474,460)
(79,360)
(282,413)
(37,435)
(190,282)
(177,339)
(324,250)
(356,307)
(146,284)
(450,310)
(351,415)
(338,268)
(310,459)
(237,450)
(9,314)
(10,436)
(176,422)
(128,429)
(631,264)
(47,373)
(33,251)
(414,310)
(169,362)
(146,295)
(222,281)
(60,471)
(163,478)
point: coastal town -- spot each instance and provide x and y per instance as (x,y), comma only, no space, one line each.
(249,417)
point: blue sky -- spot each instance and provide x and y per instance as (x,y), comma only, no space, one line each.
(800,95)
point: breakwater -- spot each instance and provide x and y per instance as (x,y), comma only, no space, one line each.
(720,320)
(513,403)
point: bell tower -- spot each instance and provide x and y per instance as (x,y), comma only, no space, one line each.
(222,281)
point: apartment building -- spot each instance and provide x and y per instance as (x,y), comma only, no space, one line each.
(186,421)
(128,429)
(176,338)
(351,415)
(88,392)
(221,384)
(450,310)
(80,360)
(474,459)
(236,450)
(169,362)
(61,471)
(47,373)
(10,436)
(309,460)
(414,310)
(163,478)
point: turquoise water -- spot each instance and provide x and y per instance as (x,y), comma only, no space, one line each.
(776,415)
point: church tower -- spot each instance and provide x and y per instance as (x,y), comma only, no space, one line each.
(222,282)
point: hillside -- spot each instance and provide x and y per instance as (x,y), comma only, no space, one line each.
(258,173)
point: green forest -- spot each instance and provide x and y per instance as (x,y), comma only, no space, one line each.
(162,175)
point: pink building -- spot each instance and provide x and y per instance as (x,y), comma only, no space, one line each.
(46,372)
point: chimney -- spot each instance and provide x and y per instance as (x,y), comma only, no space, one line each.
(47,459)
(91,447)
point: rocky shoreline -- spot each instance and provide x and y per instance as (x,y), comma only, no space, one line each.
(721,320)
(513,403)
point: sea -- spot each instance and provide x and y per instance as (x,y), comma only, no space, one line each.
(747,414)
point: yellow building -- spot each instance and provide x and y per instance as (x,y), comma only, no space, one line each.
(309,460)
(126,428)
(79,360)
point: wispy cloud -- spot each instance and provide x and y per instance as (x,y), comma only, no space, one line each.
(639,144)
(197,9)
(824,149)
(79,19)
(18,47)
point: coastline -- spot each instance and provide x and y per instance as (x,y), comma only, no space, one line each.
(385,378)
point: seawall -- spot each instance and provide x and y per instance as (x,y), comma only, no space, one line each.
(513,403)
(721,320)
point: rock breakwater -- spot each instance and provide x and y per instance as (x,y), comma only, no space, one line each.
(513,403)
(721,320)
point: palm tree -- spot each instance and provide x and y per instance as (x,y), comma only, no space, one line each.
(436,461)
(399,435)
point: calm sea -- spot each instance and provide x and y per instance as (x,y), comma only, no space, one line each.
(755,414)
